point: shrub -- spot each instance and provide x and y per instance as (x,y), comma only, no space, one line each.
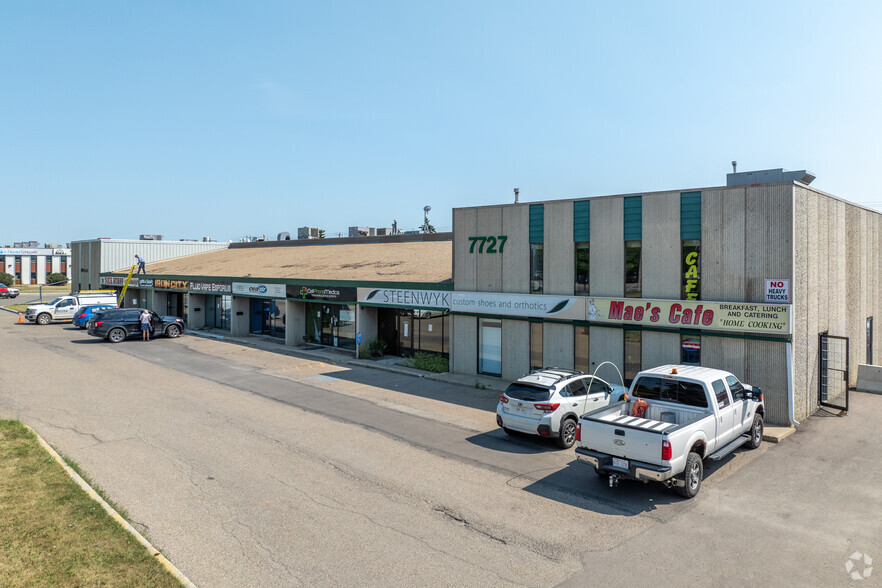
(56,277)
(372,349)
(7,279)
(431,362)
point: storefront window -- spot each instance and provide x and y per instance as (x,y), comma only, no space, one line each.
(582,266)
(490,346)
(536,346)
(691,269)
(633,354)
(581,346)
(690,349)
(330,324)
(633,275)
(536,270)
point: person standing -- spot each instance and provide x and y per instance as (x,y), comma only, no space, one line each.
(140,260)
(145,325)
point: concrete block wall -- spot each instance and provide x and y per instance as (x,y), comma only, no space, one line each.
(838,275)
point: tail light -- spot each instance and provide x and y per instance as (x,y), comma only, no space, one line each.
(579,431)
(503,399)
(81,315)
(99,323)
(666,449)
(547,407)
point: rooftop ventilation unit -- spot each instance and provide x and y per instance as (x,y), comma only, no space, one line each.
(768,176)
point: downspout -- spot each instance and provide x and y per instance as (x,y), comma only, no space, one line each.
(789,346)
(793,422)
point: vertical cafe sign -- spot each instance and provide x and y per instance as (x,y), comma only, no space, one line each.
(691,286)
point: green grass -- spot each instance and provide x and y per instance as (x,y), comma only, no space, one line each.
(53,534)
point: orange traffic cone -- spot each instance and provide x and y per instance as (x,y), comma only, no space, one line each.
(20,317)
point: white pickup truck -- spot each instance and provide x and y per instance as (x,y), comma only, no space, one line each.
(65,307)
(675,417)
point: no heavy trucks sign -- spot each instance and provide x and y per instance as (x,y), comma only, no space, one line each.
(778,291)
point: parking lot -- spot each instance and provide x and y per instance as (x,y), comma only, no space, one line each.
(255,465)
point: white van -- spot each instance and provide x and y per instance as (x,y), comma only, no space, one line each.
(64,308)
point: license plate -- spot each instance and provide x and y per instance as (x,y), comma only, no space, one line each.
(620,463)
(522,409)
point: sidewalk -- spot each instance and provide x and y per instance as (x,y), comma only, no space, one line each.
(343,357)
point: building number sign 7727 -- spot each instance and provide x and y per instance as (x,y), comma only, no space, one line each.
(491,243)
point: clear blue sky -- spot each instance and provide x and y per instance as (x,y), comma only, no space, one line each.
(227,119)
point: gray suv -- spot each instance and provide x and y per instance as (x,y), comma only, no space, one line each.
(549,402)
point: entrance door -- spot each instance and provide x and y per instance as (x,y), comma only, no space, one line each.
(387,329)
(256,325)
(833,371)
(405,333)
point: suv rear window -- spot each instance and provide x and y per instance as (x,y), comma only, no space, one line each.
(528,393)
(654,388)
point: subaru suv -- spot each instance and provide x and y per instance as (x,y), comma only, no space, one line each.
(549,402)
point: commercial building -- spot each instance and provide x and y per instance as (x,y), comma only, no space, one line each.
(31,265)
(89,258)
(776,282)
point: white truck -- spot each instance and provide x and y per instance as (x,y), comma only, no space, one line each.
(64,308)
(675,416)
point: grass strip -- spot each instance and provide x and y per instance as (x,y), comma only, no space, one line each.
(53,534)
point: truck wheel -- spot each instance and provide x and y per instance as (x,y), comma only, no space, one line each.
(116,335)
(173,331)
(567,435)
(43,319)
(756,432)
(692,475)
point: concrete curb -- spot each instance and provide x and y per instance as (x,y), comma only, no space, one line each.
(777,434)
(115,515)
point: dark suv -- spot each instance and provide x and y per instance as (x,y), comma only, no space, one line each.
(117,324)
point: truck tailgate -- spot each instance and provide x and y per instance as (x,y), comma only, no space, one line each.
(625,436)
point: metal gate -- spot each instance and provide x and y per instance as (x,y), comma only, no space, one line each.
(833,385)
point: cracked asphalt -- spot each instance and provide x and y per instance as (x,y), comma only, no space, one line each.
(248,467)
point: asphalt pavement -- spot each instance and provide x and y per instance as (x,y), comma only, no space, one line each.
(252,464)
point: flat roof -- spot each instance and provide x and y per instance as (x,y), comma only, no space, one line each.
(415,261)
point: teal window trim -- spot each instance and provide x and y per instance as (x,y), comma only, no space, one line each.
(633,218)
(537,223)
(581,221)
(690,215)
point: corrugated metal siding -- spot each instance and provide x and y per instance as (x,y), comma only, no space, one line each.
(537,223)
(633,218)
(117,254)
(690,215)
(582,221)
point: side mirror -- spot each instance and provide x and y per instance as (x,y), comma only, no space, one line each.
(757,394)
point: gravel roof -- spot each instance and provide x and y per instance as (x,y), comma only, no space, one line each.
(419,261)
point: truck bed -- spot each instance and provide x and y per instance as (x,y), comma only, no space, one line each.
(660,417)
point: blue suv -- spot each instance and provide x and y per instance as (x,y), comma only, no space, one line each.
(85,313)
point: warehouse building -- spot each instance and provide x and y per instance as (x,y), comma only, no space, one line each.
(766,277)
(766,280)
(89,258)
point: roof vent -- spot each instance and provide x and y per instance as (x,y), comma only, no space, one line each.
(768,176)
